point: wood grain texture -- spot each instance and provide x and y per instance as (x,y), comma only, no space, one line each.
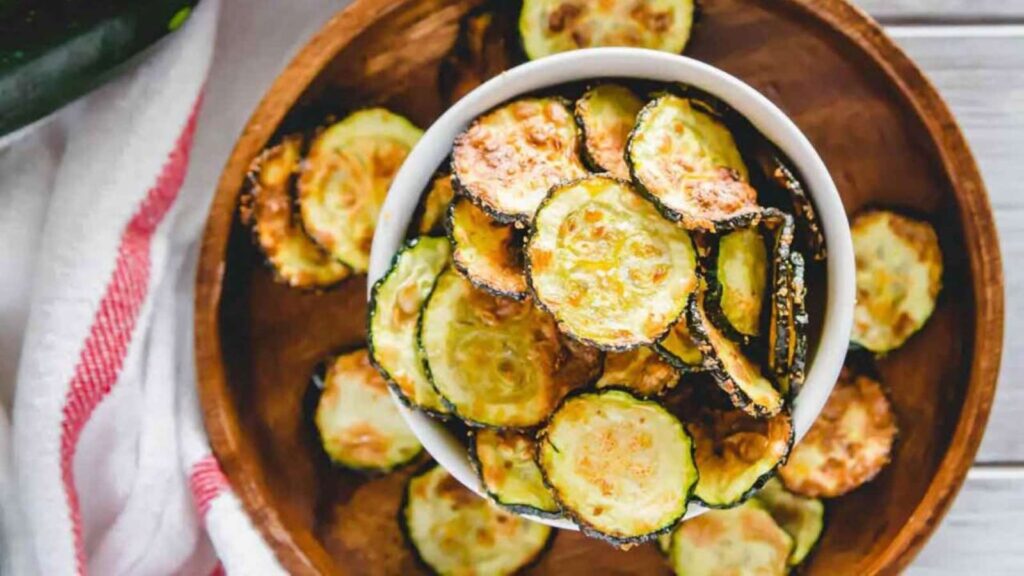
(943,10)
(982,79)
(876,121)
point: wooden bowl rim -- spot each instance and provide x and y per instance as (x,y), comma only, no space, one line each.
(300,553)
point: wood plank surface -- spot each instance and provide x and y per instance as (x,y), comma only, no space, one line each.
(944,10)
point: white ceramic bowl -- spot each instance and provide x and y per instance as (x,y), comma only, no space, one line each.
(594,64)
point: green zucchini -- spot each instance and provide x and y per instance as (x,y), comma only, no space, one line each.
(809,225)
(849,444)
(55,52)
(621,467)
(613,272)
(678,347)
(506,463)
(780,322)
(551,26)
(736,454)
(641,370)
(395,304)
(455,532)
(345,178)
(741,540)
(486,252)
(607,113)
(899,276)
(794,379)
(734,372)
(267,207)
(434,211)
(360,427)
(802,518)
(737,277)
(685,159)
(508,159)
(497,362)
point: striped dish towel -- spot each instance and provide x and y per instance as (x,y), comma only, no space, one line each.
(112,471)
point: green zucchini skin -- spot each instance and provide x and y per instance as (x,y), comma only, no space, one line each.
(808,515)
(781,228)
(50,57)
(460,265)
(713,304)
(808,224)
(798,360)
(474,460)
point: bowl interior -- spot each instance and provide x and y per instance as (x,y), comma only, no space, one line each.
(603,63)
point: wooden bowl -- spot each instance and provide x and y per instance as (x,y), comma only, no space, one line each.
(881,128)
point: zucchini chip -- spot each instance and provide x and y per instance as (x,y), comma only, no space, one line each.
(359,425)
(679,348)
(810,225)
(607,113)
(455,532)
(642,370)
(486,252)
(395,304)
(507,466)
(737,277)
(497,362)
(736,454)
(794,379)
(742,540)
(345,178)
(620,466)
(849,443)
(509,158)
(802,518)
(736,374)
(267,206)
(435,205)
(780,321)
(613,272)
(551,26)
(685,159)
(899,275)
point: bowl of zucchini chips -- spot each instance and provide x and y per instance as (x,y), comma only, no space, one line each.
(588,292)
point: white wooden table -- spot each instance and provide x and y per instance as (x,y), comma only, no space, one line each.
(973,50)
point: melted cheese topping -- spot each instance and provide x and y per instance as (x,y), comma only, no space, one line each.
(508,159)
(458,533)
(397,300)
(802,518)
(689,161)
(607,265)
(743,540)
(485,251)
(345,178)
(622,466)
(735,451)
(509,471)
(497,361)
(849,443)
(359,424)
(435,205)
(641,370)
(742,270)
(296,260)
(607,114)
(899,276)
(551,26)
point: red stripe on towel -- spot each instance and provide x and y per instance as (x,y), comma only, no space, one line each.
(206,482)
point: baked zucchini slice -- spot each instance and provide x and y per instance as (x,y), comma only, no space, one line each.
(794,378)
(345,178)
(551,26)
(899,276)
(741,540)
(395,304)
(434,213)
(267,206)
(620,466)
(455,532)
(737,278)
(506,462)
(485,251)
(780,322)
(359,425)
(686,160)
(679,348)
(613,272)
(495,361)
(736,454)
(508,159)
(849,443)
(734,372)
(606,113)
(802,518)
(641,370)
(813,237)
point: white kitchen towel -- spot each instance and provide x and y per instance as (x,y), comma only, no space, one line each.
(112,470)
